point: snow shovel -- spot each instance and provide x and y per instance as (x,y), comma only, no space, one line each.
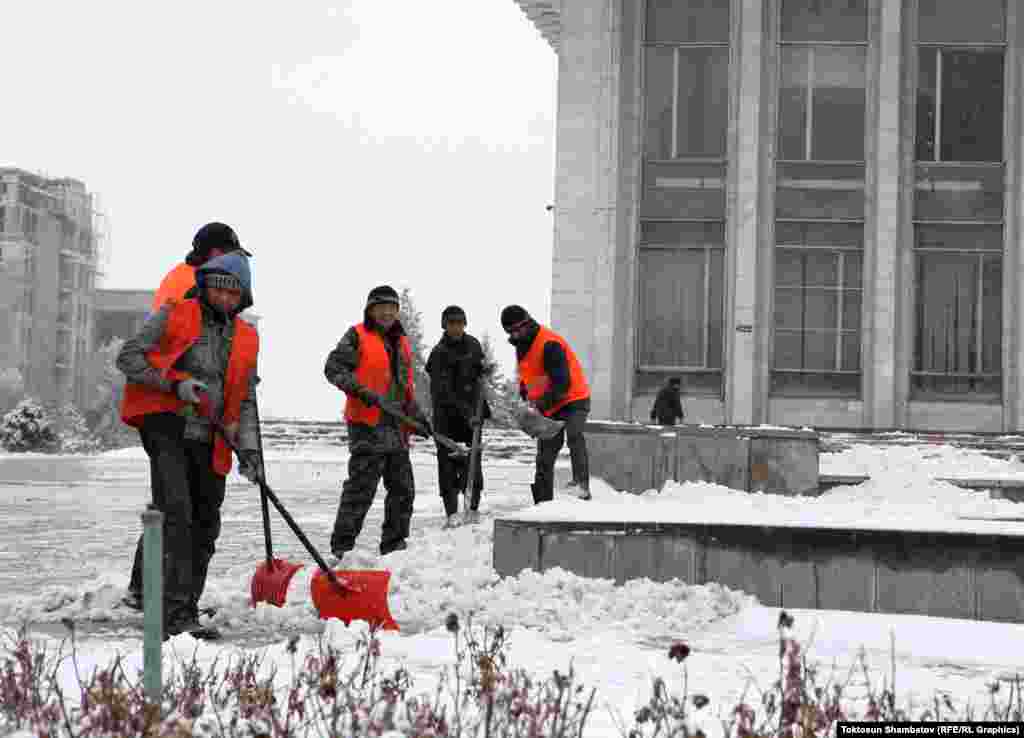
(270,582)
(357,595)
(534,424)
(456,448)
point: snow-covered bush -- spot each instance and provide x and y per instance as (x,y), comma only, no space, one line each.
(74,434)
(29,427)
(12,388)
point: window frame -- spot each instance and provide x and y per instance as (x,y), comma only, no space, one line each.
(704,367)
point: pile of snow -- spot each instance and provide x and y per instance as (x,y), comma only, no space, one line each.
(917,462)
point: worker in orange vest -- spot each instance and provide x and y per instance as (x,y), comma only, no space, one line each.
(372,363)
(193,364)
(212,240)
(551,379)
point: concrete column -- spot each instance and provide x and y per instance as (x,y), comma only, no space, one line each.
(744,226)
(883,228)
(584,296)
(1013,271)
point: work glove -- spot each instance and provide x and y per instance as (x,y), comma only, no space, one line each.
(368,397)
(190,390)
(250,465)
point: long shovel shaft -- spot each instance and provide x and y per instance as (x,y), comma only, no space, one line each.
(445,441)
(269,494)
(264,507)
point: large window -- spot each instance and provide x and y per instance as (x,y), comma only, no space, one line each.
(682,202)
(818,300)
(958,200)
(681,277)
(819,198)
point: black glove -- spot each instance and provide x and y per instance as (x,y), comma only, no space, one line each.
(368,397)
(250,465)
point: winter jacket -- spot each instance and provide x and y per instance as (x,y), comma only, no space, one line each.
(206,357)
(454,367)
(668,406)
(341,370)
(550,374)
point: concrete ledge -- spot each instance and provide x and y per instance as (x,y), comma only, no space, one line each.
(960,575)
(1000,489)
(636,458)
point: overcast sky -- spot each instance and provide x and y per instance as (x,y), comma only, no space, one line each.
(349,144)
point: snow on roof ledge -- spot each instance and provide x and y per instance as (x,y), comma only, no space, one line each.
(546,16)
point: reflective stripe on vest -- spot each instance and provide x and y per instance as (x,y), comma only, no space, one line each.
(373,371)
(174,286)
(182,329)
(532,374)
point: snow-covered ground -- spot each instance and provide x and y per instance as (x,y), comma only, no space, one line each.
(616,637)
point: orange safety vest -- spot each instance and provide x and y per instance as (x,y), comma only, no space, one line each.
(174,286)
(181,331)
(374,372)
(532,374)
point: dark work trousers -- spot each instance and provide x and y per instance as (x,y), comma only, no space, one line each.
(367,465)
(190,494)
(575,416)
(451,469)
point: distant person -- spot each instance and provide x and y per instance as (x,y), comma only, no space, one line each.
(193,360)
(210,241)
(456,368)
(668,405)
(372,363)
(551,379)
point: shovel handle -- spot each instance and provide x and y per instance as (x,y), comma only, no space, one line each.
(268,494)
(438,438)
(264,507)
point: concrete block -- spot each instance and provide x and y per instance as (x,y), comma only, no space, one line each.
(665,460)
(787,466)
(846,581)
(637,556)
(999,578)
(678,556)
(924,575)
(720,458)
(516,547)
(623,459)
(585,554)
(759,562)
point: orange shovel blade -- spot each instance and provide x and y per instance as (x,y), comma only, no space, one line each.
(270,583)
(366,598)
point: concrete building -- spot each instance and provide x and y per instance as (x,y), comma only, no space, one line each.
(119,313)
(810,210)
(49,250)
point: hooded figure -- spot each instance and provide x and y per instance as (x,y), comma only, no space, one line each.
(193,362)
(668,406)
(372,365)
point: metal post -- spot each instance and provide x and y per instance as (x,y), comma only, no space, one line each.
(153,601)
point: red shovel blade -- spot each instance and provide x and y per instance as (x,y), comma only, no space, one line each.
(364,596)
(270,583)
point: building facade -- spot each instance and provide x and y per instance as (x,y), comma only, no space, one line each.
(810,210)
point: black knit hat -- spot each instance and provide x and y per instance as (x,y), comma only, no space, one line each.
(512,315)
(452,312)
(214,236)
(382,295)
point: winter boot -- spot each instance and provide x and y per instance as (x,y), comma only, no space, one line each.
(584,490)
(188,622)
(396,546)
(472,517)
(452,521)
